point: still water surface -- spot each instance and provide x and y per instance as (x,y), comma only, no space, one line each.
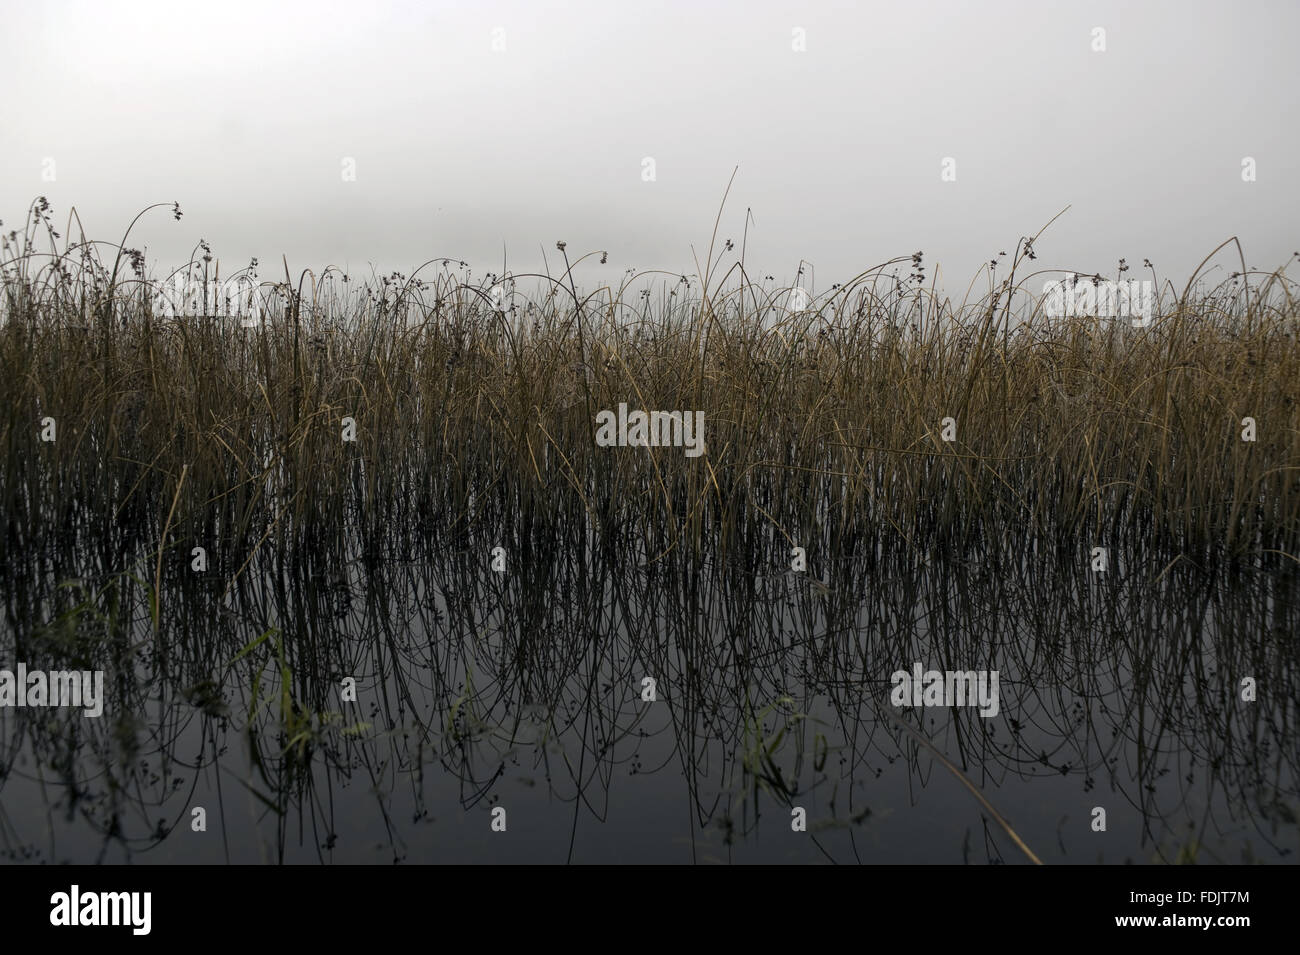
(525,690)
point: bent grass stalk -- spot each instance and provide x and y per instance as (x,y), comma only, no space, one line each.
(823,423)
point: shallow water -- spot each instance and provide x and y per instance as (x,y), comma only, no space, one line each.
(523,690)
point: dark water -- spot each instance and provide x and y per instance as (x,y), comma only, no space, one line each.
(522,690)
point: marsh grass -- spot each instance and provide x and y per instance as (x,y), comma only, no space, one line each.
(823,425)
(475,429)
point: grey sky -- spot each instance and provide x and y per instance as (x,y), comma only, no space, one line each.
(244,113)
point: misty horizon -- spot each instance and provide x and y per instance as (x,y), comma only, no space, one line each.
(394,135)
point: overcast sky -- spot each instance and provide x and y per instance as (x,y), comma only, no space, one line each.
(477,126)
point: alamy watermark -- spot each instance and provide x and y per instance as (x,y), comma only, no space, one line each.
(238,297)
(84,688)
(1082,296)
(76,907)
(654,429)
(946,688)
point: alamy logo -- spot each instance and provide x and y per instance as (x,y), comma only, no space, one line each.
(946,688)
(103,908)
(83,688)
(1083,297)
(655,429)
(239,297)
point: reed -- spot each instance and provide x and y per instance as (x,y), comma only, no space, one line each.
(824,424)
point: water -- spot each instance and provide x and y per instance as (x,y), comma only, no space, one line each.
(523,691)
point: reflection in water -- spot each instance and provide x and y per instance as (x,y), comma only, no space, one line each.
(524,690)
